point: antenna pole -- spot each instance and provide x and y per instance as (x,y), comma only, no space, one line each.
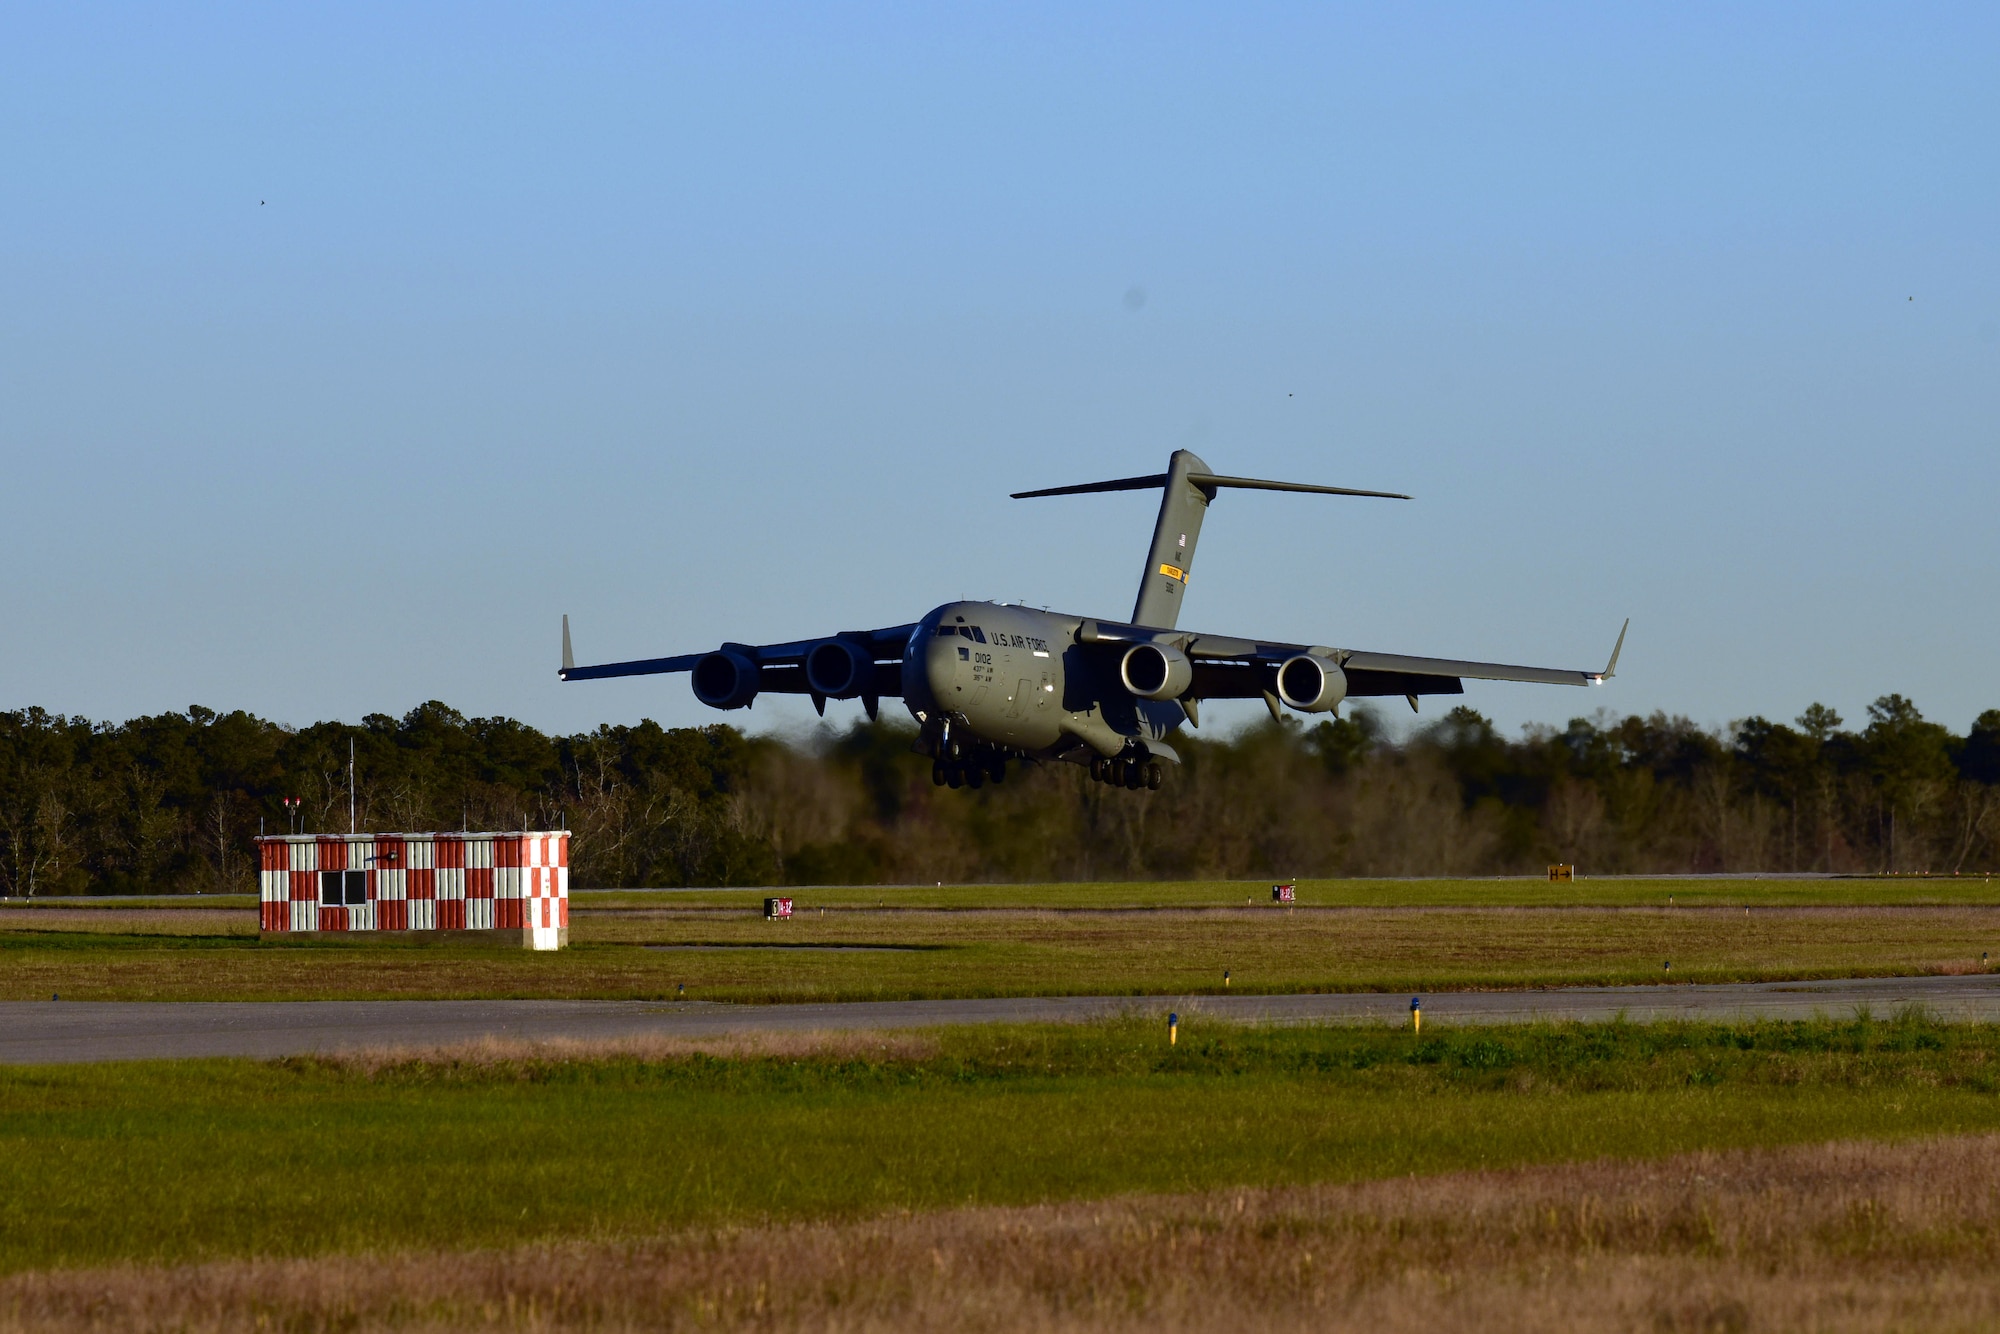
(350,785)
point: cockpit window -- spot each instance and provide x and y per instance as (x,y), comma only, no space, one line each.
(947,632)
(978,634)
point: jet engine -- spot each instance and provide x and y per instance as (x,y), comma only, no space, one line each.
(1311,684)
(1156,671)
(840,669)
(725,680)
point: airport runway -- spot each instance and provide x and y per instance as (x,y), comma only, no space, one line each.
(57,1032)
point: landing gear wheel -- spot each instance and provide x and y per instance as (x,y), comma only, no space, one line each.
(1097,768)
(954,776)
(1135,775)
(938,773)
(997,771)
(1155,776)
(975,776)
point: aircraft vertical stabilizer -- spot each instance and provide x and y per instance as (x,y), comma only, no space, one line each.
(1188,487)
(1183,505)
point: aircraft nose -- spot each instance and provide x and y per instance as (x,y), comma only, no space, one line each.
(940,669)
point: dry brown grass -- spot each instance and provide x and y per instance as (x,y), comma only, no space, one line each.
(134,921)
(485,1053)
(1837,1237)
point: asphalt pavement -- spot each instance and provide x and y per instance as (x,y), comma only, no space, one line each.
(61,1032)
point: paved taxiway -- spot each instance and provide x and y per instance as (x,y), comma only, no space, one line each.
(36,1032)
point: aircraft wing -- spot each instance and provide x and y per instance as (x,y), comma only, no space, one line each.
(639,667)
(781,666)
(1231,668)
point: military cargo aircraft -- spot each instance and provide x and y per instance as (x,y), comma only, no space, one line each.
(990,683)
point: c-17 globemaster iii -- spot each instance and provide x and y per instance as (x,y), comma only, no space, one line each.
(988,682)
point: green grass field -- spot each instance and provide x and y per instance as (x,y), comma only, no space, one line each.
(1906,891)
(1515,892)
(173,1161)
(1096,939)
(414,1165)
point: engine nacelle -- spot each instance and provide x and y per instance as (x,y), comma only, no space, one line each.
(725,680)
(1155,671)
(1311,684)
(840,669)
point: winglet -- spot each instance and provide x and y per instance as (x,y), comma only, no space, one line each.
(1611,668)
(569,658)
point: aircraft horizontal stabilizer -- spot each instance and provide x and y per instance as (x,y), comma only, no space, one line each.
(1205,480)
(1253,484)
(1121,484)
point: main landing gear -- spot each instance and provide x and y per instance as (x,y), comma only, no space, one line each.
(973,771)
(1128,773)
(969,773)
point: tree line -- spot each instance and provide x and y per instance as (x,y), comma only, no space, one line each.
(169,804)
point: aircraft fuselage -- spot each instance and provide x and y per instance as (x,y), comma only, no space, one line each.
(986,677)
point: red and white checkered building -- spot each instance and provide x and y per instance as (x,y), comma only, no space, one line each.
(418,882)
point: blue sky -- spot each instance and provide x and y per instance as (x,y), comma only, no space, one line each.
(343,349)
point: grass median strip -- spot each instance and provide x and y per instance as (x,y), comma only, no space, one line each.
(1418,892)
(496,1147)
(1427,892)
(873,955)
